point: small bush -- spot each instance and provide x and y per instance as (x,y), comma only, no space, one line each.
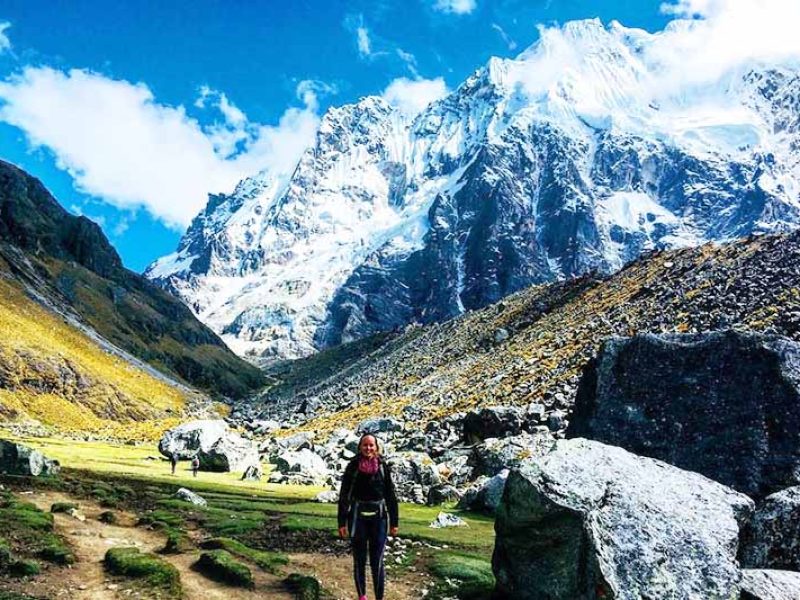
(149,568)
(63,507)
(303,587)
(219,565)
(57,553)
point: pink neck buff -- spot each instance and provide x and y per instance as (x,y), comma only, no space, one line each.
(368,465)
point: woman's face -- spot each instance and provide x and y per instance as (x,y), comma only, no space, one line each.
(369,448)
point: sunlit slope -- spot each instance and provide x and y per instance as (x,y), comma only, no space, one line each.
(56,374)
(532,346)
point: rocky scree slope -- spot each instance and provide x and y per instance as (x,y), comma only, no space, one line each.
(514,179)
(532,346)
(67,265)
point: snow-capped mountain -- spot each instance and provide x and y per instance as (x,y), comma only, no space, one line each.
(524,174)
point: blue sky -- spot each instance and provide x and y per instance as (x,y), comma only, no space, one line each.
(130,112)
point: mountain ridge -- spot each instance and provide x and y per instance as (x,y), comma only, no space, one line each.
(66,264)
(511,180)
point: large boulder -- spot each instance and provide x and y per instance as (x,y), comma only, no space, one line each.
(758,584)
(492,422)
(187,439)
(485,494)
(771,539)
(413,474)
(301,466)
(496,454)
(231,452)
(724,404)
(16,459)
(593,521)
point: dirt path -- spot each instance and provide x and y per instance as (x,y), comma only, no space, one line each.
(336,575)
(90,539)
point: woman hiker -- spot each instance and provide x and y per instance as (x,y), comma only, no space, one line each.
(367,512)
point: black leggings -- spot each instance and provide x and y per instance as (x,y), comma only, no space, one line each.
(369,536)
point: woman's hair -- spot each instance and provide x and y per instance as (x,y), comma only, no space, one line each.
(377,444)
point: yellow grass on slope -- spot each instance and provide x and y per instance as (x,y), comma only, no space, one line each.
(56,374)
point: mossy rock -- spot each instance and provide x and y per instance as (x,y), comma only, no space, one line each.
(63,507)
(220,565)
(304,587)
(270,562)
(177,542)
(57,554)
(108,516)
(149,568)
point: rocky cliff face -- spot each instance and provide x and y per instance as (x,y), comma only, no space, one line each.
(503,184)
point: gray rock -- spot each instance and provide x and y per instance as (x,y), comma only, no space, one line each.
(304,465)
(758,584)
(190,496)
(492,422)
(262,427)
(298,441)
(594,521)
(500,335)
(444,519)
(556,420)
(439,494)
(485,494)
(495,455)
(379,425)
(253,473)
(664,397)
(456,470)
(231,452)
(327,497)
(413,473)
(187,439)
(17,459)
(771,539)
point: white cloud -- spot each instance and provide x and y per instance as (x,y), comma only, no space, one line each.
(458,7)
(119,144)
(726,35)
(412,96)
(5,42)
(310,90)
(363,41)
(512,45)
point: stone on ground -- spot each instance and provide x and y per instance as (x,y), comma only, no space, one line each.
(593,521)
(190,496)
(17,459)
(187,439)
(771,539)
(485,494)
(496,454)
(663,396)
(302,466)
(758,584)
(231,452)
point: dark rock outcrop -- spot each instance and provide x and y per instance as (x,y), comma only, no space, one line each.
(492,422)
(16,459)
(771,539)
(592,521)
(725,404)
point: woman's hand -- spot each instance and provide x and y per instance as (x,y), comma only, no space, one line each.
(393,531)
(343,532)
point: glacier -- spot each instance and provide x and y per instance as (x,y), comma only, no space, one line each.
(572,157)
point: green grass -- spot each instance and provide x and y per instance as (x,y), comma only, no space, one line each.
(149,569)
(268,561)
(27,533)
(303,586)
(221,566)
(471,574)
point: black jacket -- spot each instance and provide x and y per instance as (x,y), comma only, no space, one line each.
(360,487)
